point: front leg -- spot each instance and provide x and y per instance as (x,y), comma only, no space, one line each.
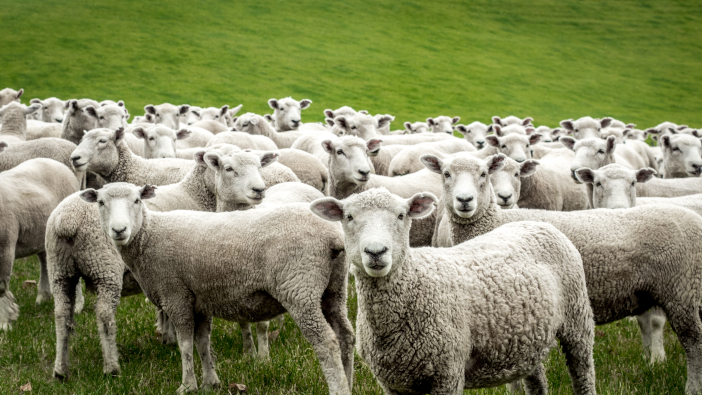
(184,324)
(44,289)
(247,338)
(203,329)
(9,310)
(262,337)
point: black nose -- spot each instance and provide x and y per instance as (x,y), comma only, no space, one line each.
(259,190)
(464,199)
(480,143)
(119,232)
(375,254)
(296,121)
(505,198)
(75,159)
(59,120)
(364,172)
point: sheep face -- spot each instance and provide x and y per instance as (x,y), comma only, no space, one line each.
(635,134)
(348,159)
(616,132)
(9,95)
(160,140)
(52,109)
(613,186)
(515,146)
(248,122)
(109,116)
(362,125)
(417,127)
(590,153)
(121,209)
(376,226)
(474,133)
(97,151)
(167,113)
(191,116)
(506,182)
(345,111)
(586,127)
(238,175)
(512,120)
(681,155)
(287,112)
(15,110)
(466,181)
(215,114)
(442,124)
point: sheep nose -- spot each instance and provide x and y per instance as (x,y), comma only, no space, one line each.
(505,198)
(375,251)
(464,198)
(364,173)
(519,160)
(59,120)
(119,232)
(480,143)
(259,190)
(296,121)
(75,159)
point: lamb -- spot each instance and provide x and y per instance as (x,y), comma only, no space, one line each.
(76,121)
(585,127)
(190,116)
(52,109)
(160,140)
(595,153)
(474,133)
(513,145)
(661,271)
(286,113)
(506,183)
(549,135)
(512,120)
(9,95)
(635,134)
(109,116)
(308,254)
(255,124)
(218,114)
(350,173)
(344,110)
(360,125)
(167,113)
(681,156)
(468,340)
(30,191)
(14,121)
(407,160)
(417,127)
(442,124)
(243,141)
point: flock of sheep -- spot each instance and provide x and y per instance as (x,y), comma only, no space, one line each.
(472,256)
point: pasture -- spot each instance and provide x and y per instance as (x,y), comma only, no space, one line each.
(638,61)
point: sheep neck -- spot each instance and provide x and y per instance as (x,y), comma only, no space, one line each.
(223,206)
(71,130)
(483,221)
(14,124)
(195,185)
(126,165)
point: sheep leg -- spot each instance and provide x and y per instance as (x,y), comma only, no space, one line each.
(64,301)
(281,321)
(515,387)
(535,383)
(247,338)
(687,325)
(80,298)
(9,310)
(316,330)
(577,344)
(652,324)
(105,309)
(184,324)
(164,326)
(262,337)
(335,312)
(203,329)
(44,291)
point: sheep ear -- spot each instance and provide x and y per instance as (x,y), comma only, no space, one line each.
(254,120)
(535,138)
(139,132)
(213,160)
(196,112)
(304,103)
(329,113)
(652,131)
(35,101)
(432,162)
(269,117)
(3,145)
(183,109)
(120,103)
(90,110)
(32,109)
(568,142)
(199,158)
(150,109)
(461,129)
(492,140)
(681,127)
(89,195)
(342,122)
(149,117)
(529,130)
(235,118)
(490,129)
(72,105)
(421,205)
(364,112)
(497,120)
(385,121)
(223,110)
(455,120)
(528,167)
(611,143)
(527,121)
(19,94)
(328,146)
(268,158)
(673,131)
(495,163)
(696,133)
(328,208)
(182,134)
(567,124)
(147,192)
(644,175)
(235,110)
(665,139)
(625,132)
(498,130)
(273,103)
(408,126)
(430,121)
(630,125)
(605,122)
(329,121)
(373,145)
(119,135)
(585,175)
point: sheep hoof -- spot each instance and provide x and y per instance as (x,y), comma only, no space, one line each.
(183,389)
(42,297)
(9,311)
(60,377)
(113,371)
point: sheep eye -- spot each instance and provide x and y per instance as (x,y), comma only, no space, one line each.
(633,183)
(504,146)
(401,217)
(229,169)
(600,152)
(136,201)
(447,175)
(349,217)
(598,184)
(158,115)
(102,117)
(339,152)
(482,175)
(102,141)
(216,116)
(246,124)
(353,127)
(46,108)
(151,138)
(516,174)
(101,203)
(677,149)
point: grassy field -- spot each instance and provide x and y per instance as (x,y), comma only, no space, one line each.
(638,61)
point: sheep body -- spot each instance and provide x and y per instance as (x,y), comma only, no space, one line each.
(407,161)
(243,141)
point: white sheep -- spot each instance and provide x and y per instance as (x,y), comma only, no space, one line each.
(507,182)
(110,116)
(635,134)
(221,115)
(585,127)
(344,110)
(51,148)
(512,120)
(307,253)
(407,160)
(29,193)
(480,314)
(14,121)
(417,127)
(52,109)
(243,141)
(596,152)
(8,95)
(474,133)
(76,121)
(167,113)
(627,272)
(514,145)
(640,147)
(385,130)
(255,124)
(442,124)
(190,116)
(681,155)
(160,140)
(287,113)
(306,167)
(549,135)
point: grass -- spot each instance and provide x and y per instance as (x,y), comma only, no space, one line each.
(638,61)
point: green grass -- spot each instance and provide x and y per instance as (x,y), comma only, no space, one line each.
(638,61)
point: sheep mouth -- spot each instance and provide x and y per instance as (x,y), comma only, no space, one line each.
(80,166)
(361,180)
(255,199)
(695,173)
(505,205)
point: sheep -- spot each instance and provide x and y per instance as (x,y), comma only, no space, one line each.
(286,113)
(167,113)
(255,124)
(386,128)
(273,174)
(52,148)
(474,133)
(442,124)
(635,134)
(549,135)
(160,141)
(624,278)
(76,121)
(513,145)
(243,141)
(14,121)
(417,127)
(212,126)
(350,173)
(407,160)
(450,336)
(307,254)
(664,128)
(9,95)
(306,167)
(344,110)
(585,127)
(595,153)
(361,125)
(52,109)
(40,129)
(218,114)
(506,183)
(109,116)
(190,116)
(681,156)
(143,119)
(512,120)
(230,116)
(29,193)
